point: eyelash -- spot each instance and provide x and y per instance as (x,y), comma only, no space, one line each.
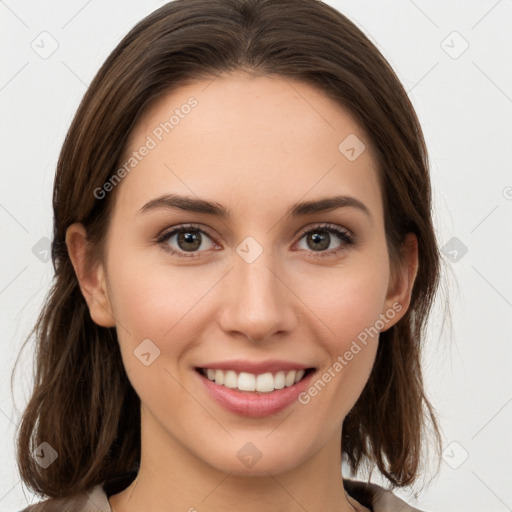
(343,235)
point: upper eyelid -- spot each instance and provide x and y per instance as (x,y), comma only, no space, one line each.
(180,227)
(324,225)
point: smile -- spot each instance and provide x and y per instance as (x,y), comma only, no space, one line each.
(255,395)
(263,383)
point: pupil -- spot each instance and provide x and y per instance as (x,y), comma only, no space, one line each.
(320,241)
(189,237)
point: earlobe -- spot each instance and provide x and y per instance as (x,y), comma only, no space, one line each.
(91,276)
(401,285)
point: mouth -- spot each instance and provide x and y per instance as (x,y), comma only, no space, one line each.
(262,383)
(254,389)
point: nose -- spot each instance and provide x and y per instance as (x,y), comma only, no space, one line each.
(258,303)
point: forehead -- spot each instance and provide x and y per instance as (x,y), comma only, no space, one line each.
(247,142)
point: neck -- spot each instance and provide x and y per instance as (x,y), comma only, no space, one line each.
(171,477)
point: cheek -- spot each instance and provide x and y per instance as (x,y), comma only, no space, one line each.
(351,311)
(350,308)
(151,295)
(158,302)
(347,300)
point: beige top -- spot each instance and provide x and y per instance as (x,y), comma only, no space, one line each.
(372,496)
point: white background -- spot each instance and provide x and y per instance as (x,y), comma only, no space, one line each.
(464,103)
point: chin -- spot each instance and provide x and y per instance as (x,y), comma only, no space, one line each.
(255,459)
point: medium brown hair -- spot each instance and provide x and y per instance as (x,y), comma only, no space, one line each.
(83,404)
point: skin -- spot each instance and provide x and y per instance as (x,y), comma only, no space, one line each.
(255,146)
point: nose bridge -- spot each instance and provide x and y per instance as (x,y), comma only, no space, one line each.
(257,303)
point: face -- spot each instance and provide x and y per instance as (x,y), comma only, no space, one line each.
(265,288)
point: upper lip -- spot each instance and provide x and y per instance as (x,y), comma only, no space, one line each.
(255,367)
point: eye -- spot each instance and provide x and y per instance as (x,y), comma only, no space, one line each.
(189,239)
(319,239)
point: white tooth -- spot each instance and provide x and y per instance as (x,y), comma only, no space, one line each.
(246,382)
(290,378)
(219,377)
(230,379)
(265,383)
(279,380)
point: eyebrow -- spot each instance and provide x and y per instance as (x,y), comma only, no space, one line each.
(304,208)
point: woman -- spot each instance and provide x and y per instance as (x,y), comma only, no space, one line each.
(245,261)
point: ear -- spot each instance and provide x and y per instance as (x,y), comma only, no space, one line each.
(402,280)
(91,276)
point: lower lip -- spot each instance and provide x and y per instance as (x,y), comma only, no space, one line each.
(254,404)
